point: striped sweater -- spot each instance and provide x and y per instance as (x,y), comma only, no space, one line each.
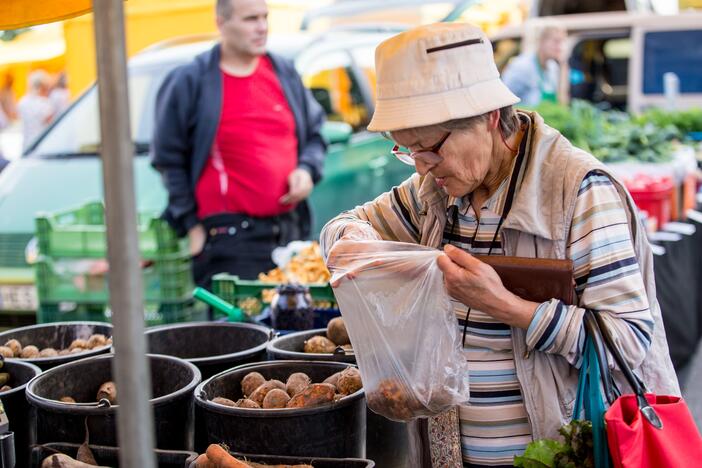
(494,426)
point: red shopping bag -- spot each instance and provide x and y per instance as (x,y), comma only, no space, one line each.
(636,442)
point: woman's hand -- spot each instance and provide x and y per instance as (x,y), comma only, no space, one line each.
(477,285)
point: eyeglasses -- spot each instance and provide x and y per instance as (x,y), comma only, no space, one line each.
(428,156)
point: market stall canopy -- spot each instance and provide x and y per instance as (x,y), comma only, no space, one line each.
(21,13)
(36,45)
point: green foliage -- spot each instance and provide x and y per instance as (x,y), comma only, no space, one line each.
(684,122)
(577,450)
(610,136)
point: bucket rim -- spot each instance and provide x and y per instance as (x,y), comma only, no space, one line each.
(273,349)
(57,360)
(348,400)
(92,408)
(22,387)
(217,357)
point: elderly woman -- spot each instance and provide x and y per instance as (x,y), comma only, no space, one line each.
(494,181)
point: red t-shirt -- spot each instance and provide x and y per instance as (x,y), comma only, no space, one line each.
(254,151)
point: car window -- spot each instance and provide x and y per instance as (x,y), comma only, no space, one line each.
(331,79)
(599,70)
(672,51)
(505,50)
(78,130)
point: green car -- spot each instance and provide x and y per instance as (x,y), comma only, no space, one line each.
(62,170)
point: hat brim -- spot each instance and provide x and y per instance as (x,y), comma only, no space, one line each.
(431,109)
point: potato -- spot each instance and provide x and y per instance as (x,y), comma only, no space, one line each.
(246,403)
(108,390)
(260,393)
(276,398)
(67,399)
(336,331)
(6,352)
(251,382)
(296,383)
(223,401)
(48,352)
(333,379)
(349,381)
(76,350)
(15,346)
(29,352)
(5,388)
(4,378)
(78,344)
(314,395)
(319,344)
(97,340)
(64,352)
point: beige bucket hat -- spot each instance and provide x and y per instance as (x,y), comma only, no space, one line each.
(435,73)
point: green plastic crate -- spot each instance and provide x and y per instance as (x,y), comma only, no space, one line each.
(235,290)
(167,279)
(81,233)
(154,314)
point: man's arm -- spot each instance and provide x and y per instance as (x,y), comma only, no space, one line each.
(171,149)
(313,149)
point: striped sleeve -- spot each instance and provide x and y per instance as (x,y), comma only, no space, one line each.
(394,216)
(607,277)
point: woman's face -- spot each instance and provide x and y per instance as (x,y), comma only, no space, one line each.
(466,156)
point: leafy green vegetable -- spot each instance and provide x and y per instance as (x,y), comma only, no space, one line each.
(577,450)
(611,136)
(540,454)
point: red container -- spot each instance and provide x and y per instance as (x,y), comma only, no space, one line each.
(652,195)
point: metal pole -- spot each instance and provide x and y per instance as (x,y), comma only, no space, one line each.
(131,368)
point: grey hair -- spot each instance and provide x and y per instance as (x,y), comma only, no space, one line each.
(37,79)
(548,29)
(224,8)
(509,122)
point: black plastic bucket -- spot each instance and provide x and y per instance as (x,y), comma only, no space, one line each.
(335,431)
(212,346)
(58,335)
(291,346)
(314,461)
(172,383)
(387,442)
(15,403)
(109,456)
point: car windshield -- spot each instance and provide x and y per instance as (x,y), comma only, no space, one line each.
(77,132)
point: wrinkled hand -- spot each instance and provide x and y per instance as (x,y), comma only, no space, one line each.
(343,252)
(197,237)
(300,186)
(478,286)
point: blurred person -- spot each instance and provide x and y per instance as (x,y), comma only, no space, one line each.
(59,96)
(35,109)
(534,77)
(237,141)
(491,180)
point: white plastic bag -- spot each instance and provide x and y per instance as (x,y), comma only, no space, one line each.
(402,327)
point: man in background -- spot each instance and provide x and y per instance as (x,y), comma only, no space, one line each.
(35,109)
(534,77)
(237,141)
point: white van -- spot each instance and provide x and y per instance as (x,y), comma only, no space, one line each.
(619,58)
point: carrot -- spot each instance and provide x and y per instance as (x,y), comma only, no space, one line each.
(220,458)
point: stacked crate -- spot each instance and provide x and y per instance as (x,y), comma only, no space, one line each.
(72,273)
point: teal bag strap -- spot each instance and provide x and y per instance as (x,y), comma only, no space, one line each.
(589,399)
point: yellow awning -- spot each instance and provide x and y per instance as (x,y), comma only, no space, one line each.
(21,13)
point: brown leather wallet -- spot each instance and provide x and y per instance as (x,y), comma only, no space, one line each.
(535,279)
